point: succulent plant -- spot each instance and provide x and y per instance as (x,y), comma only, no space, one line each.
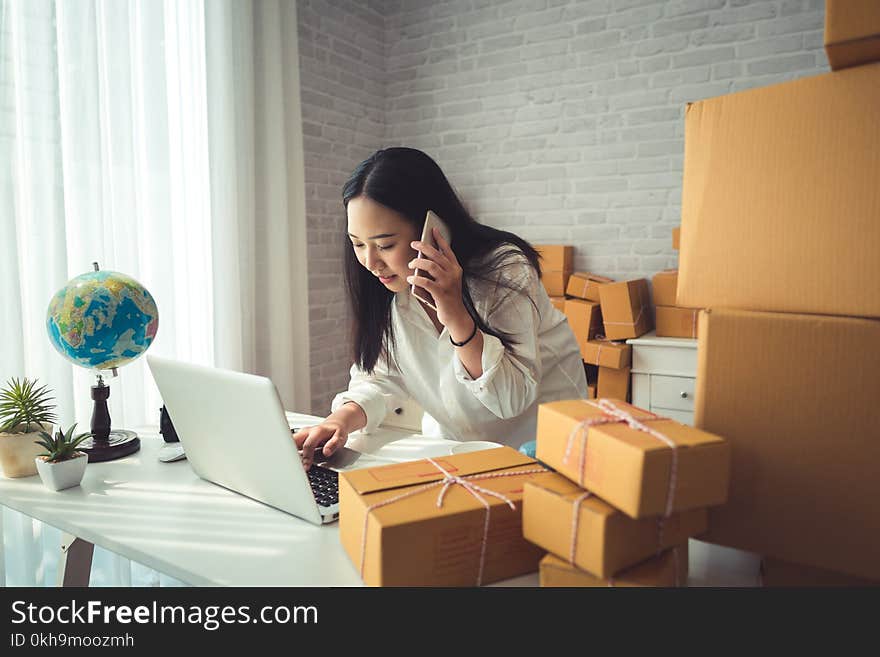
(21,402)
(62,446)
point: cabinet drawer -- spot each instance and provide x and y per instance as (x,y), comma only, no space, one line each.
(675,392)
(680,416)
(668,359)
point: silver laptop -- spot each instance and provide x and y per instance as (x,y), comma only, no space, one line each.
(235,434)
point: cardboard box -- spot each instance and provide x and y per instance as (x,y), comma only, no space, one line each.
(607,353)
(414,542)
(796,397)
(676,322)
(778,573)
(676,237)
(591,390)
(613,383)
(554,282)
(606,541)
(852,32)
(556,257)
(585,319)
(558,303)
(629,468)
(585,285)
(669,568)
(664,284)
(626,309)
(786,220)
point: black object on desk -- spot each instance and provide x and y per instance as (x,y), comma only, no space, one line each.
(166,428)
(105,443)
(172,450)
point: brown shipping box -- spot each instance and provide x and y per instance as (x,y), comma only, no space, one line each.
(414,542)
(676,322)
(607,353)
(585,319)
(794,197)
(796,397)
(664,284)
(558,303)
(629,468)
(556,257)
(676,237)
(554,282)
(626,309)
(556,266)
(669,568)
(778,573)
(585,285)
(606,541)
(613,383)
(852,32)
(591,390)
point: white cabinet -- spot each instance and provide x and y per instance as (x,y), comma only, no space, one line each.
(664,372)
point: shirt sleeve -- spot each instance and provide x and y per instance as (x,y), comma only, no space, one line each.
(511,375)
(376,393)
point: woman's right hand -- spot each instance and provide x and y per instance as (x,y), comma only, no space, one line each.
(328,436)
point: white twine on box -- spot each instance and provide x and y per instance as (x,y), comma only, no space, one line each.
(447,481)
(612,415)
(575,519)
(600,339)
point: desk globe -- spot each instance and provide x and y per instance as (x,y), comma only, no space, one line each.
(102,320)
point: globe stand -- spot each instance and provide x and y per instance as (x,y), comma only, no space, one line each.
(106,444)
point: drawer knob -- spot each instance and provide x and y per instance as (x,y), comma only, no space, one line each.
(684,395)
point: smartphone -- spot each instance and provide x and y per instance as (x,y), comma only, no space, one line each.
(431,221)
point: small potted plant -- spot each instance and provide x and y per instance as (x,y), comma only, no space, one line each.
(25,410)
(61,465)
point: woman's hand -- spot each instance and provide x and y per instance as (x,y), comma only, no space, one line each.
(446,286)
(328,436)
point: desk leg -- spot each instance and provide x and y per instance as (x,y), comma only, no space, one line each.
(2,551)
(75,565)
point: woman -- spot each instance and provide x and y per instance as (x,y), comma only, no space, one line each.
(494,348)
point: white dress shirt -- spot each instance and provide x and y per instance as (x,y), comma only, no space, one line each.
(502,404)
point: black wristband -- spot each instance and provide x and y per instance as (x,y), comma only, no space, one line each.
(461,344)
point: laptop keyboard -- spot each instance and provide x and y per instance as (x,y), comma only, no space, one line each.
(325,485)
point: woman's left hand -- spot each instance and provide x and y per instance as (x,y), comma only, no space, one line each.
(446,286)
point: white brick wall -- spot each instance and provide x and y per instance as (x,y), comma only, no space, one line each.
(559,120)
(564,120)
(342,73)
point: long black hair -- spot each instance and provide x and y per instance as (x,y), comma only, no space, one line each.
(411,183)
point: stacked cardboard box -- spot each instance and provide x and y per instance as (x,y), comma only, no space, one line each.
(628,485)
(672,320)
(780,241)
(852,32)
(796,396)
(585,285)
(413,524)
(585,319)
(669,568)
(600,335)
(556,267)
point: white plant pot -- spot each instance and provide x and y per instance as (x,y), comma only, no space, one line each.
(64,474)
(18,451)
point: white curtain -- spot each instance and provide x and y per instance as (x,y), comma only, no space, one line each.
(162,140)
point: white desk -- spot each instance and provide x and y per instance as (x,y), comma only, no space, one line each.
(163,516)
